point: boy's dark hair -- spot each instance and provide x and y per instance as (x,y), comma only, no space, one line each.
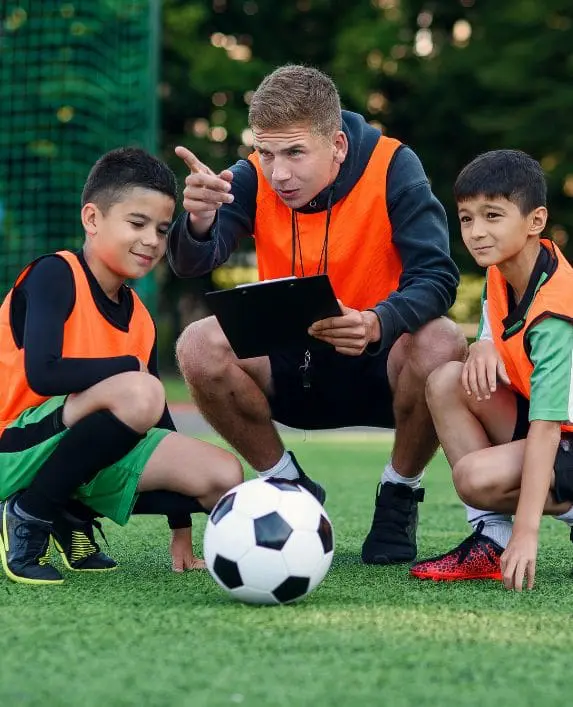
(120,170)
(511,174)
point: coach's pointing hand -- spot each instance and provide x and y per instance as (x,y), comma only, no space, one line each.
(204,191)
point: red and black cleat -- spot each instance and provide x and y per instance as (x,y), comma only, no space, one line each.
(477,557)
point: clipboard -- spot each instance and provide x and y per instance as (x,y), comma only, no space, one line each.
(273,315)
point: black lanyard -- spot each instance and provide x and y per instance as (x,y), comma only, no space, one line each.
(297,244)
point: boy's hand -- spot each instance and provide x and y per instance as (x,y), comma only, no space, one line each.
(481,370)
(518,561)
(350,333)
(204,192)
(182,557)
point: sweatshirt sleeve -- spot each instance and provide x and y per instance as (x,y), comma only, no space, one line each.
(191,256)
(429,279)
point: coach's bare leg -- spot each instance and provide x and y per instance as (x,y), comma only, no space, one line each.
(411,360)
(230,392)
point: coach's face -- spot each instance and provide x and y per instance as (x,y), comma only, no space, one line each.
(298,162)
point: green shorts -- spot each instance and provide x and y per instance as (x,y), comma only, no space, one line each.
(34,436)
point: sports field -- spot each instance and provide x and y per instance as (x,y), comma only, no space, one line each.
(368,636)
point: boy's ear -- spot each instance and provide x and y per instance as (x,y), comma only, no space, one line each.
(538,220)
(90,214)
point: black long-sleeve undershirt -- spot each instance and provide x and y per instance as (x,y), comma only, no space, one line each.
(41,305)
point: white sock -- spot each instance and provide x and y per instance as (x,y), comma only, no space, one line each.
(285,468)
(391,476)
(566,517)
(497,526)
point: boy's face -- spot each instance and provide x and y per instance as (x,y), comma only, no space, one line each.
(131,237)
(298,163)
(495,230)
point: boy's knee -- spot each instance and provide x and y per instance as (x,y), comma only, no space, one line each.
(142,401)
(443,382)
(202,350)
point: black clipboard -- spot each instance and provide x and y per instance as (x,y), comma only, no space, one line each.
(273,315)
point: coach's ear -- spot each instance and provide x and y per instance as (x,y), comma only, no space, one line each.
(90,214)
(340,147)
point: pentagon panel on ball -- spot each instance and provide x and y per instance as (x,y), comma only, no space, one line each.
(268,542)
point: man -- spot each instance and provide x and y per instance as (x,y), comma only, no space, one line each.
(325,192)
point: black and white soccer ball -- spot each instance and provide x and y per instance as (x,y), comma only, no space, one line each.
(268,541)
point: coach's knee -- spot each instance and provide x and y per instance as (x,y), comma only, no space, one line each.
(443,384)
(203,351)
(436,343)
(140,401)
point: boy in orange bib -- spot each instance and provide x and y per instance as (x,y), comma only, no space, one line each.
(504,417)
(84,427)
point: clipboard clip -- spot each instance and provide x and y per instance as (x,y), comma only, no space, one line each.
(305,370)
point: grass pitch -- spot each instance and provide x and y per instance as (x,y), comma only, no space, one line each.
(367,636)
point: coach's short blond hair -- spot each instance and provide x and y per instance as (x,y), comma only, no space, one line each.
(295,95)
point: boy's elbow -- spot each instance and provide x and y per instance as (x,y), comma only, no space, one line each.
(40,382)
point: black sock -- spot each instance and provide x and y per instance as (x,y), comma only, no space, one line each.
(176,506)
(93,443)
(80,511)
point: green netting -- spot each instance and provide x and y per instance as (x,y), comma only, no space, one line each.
(76,79)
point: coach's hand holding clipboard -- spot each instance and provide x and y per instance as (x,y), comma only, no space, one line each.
(350,332)
(288,313)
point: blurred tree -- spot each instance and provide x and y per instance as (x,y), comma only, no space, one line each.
(454,79)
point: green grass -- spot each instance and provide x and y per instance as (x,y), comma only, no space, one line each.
(366,636)
(175,389)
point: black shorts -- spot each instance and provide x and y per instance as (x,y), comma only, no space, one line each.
(563,489)
(344,391)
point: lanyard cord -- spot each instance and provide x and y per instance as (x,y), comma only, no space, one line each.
(296,243)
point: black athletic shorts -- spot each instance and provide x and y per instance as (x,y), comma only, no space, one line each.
(341,391)
(563,490)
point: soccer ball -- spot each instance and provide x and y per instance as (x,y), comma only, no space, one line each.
(268,541)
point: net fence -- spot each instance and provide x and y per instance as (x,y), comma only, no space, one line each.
(76,79)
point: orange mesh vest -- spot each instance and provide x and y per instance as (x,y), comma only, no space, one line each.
(554,298)
(364,266)
(87,334)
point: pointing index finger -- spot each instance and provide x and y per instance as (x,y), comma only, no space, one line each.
(194,164)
